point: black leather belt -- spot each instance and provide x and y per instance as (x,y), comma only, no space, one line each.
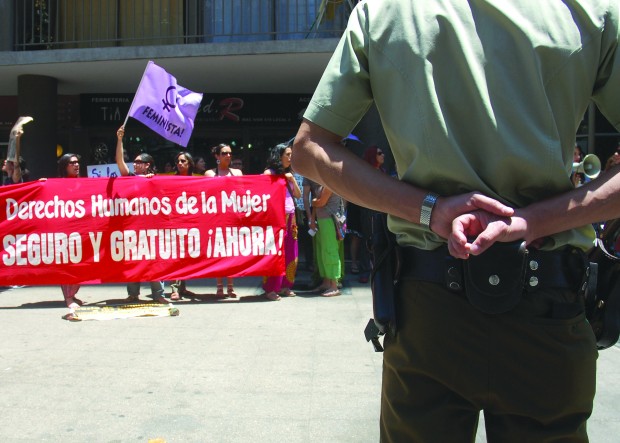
(562,269)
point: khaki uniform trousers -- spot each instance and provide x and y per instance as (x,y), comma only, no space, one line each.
(534,376)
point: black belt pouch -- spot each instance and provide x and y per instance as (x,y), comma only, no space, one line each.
(494,280)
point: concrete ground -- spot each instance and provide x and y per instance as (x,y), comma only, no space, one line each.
(244,370)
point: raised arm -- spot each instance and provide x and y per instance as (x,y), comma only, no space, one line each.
(17,168)
(120,160)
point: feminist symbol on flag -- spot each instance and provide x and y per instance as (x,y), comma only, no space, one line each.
(166,102)
(181,103)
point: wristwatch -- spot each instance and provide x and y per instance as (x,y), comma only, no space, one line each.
(427,209)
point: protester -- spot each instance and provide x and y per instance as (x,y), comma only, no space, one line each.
(201,166)
(237,163)
(613,160)
(310,191)
(578,178)
(279,163)
(69,167)
(223,168)
(374,156)
(354,230)
(185,166)
(13,169)
(329,239)
(144,165)
(24,169)
(304,239)
(480,102)
(223,155)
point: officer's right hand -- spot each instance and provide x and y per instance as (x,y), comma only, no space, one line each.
(447,209)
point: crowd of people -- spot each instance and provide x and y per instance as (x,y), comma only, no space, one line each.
(312,211)
(316,213)
(315,216)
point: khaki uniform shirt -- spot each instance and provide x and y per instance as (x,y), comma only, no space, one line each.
(476,96)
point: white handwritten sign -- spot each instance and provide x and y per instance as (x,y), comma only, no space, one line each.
(109,170)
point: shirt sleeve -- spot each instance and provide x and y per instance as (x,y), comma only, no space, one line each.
(607,87)
(344,94)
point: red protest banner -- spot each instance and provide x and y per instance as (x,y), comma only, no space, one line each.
(122,229)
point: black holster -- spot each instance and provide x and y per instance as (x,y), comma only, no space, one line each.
(386,263)
(603,300)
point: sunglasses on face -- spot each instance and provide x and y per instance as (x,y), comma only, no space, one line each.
(181,161)
(226,153)
(379,153)
(139,162)
(75,162)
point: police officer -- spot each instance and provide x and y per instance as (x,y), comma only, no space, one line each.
(480,102)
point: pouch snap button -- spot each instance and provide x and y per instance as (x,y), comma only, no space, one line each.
(494,280)
(533,265)
(533,281)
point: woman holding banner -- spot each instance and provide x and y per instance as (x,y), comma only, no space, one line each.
(69,167)
(185,166)
(143,165)
(279,162)
(223,156)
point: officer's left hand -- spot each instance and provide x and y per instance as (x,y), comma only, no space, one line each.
(475,232)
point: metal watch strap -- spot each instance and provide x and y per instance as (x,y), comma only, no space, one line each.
(427,209)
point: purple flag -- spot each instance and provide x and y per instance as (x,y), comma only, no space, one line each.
(164,106)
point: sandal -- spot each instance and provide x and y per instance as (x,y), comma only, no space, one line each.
(331,293)
(287,293)
(319,289)
(175,296)
(272,296)
(220,291)
(231,292)
(71,316)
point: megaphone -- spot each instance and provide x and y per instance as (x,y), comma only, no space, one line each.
(590,166)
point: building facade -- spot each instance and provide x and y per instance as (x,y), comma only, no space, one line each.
(74,66)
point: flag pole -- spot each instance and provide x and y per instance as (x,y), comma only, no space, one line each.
(134,96)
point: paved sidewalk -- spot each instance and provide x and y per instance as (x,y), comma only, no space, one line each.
(297,370)
(245,370)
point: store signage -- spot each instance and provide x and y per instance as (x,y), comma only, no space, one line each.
(215,109)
